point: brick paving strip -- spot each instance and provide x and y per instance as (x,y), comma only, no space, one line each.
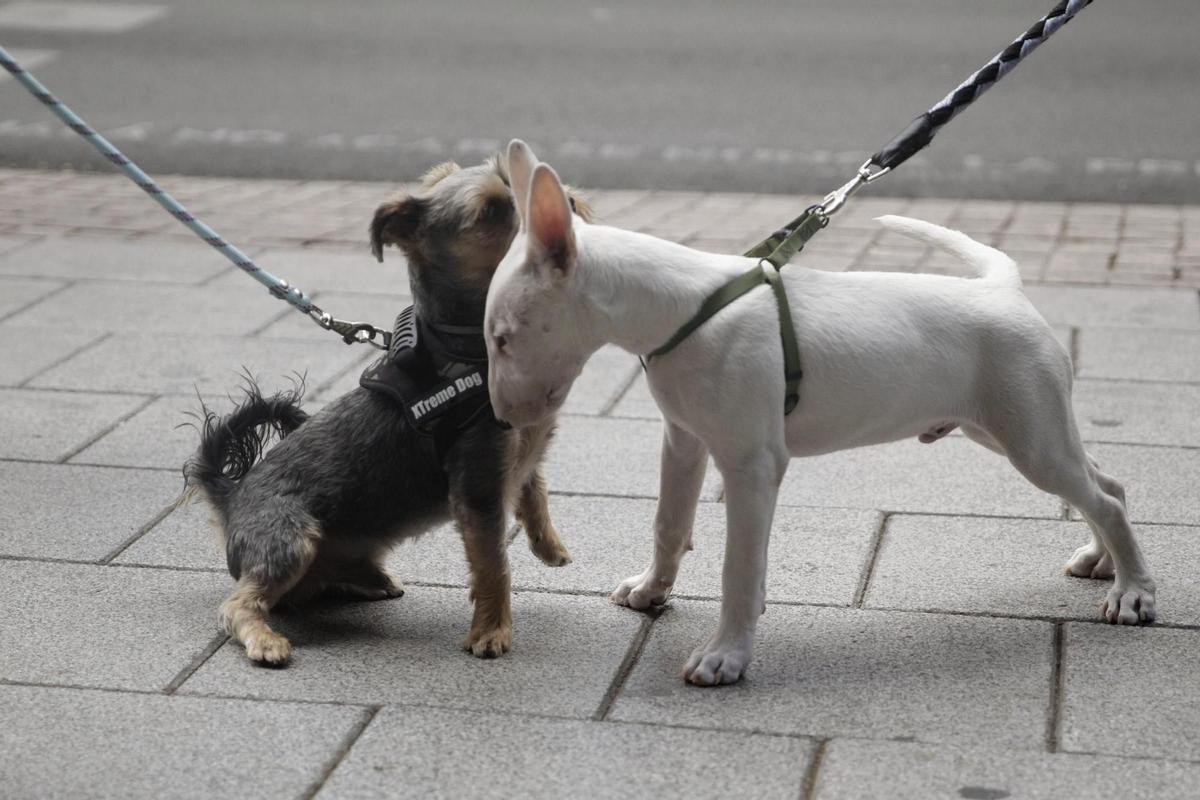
(920,639)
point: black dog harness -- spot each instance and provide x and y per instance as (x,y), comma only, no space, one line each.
(437,374)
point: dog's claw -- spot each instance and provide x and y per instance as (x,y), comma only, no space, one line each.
(269,649)
(1089,562)
(489,644)
(641,591)
(552,554)
(1128,606)
(716,665)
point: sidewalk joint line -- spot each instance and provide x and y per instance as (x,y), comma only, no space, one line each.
(67,284)
(868,569)
(17,460)
(625,668)
(196,663)
(1057,689)
(1073,349)
(1148,381)
(106,430)
(320,388)
(607,409)
(347,743)
(808,788)
(139,533)
(59,362)
(271,319)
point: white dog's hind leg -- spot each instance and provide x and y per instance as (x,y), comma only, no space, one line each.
(1052,458)
(1092,560)
(684,459)
(751,488)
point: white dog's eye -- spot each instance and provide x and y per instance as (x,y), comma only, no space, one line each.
(500,341)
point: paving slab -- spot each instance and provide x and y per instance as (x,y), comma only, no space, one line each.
(1160,482)
(114,744)
(48,426)
(167,261)
(855,769)
(152,309)
(417,752)
(591,455)
(161,435)
(1139,355)
(18,293)
(565,652)
(111,627)
(321,269)
(637,403)
(978,565)
(60,511)
(952,476)
(33,349)
(817,555)
(8,244)
(1125,307)
(1138,413)
(606,375)
(832,672)
(185,538)
(344,381)
(1131,691)
(175,364)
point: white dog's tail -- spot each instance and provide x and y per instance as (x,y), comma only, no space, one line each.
(994,267)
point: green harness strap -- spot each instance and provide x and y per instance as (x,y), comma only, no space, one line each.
(773,253)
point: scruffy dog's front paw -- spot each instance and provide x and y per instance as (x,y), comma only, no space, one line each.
(268,648)
(716,663)
(490,643)
(642,591)
(1129,605)
(550,550)
(1090,561)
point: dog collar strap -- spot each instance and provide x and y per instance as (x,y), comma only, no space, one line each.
(782,246)
(440,390)
(763,272)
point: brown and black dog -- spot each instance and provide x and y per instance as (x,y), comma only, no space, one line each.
(320,510)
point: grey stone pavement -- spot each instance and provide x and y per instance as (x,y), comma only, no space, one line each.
(921,639)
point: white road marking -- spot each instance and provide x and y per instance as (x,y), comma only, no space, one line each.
(1173,170)
(28,59)
(78,17)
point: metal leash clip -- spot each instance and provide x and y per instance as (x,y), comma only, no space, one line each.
(352,332)
(838,197)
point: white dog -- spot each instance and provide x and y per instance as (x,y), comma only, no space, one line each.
(885,356)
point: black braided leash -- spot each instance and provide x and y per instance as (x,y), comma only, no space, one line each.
(781,246)
(922,130)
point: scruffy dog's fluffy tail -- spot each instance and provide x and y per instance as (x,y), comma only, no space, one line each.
(230,445)
(992,266)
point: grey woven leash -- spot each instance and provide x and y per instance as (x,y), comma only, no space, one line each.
(351,332)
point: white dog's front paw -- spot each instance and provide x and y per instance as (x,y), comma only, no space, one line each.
(715,663)
(1129,605)
(642,591)
(1090,561)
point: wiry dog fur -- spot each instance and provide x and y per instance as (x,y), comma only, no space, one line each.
(320,510)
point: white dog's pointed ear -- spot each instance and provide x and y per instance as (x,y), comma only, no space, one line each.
(551,237)
(521,162)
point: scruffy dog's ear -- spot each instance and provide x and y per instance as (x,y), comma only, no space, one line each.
(395,223)
(580,205)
